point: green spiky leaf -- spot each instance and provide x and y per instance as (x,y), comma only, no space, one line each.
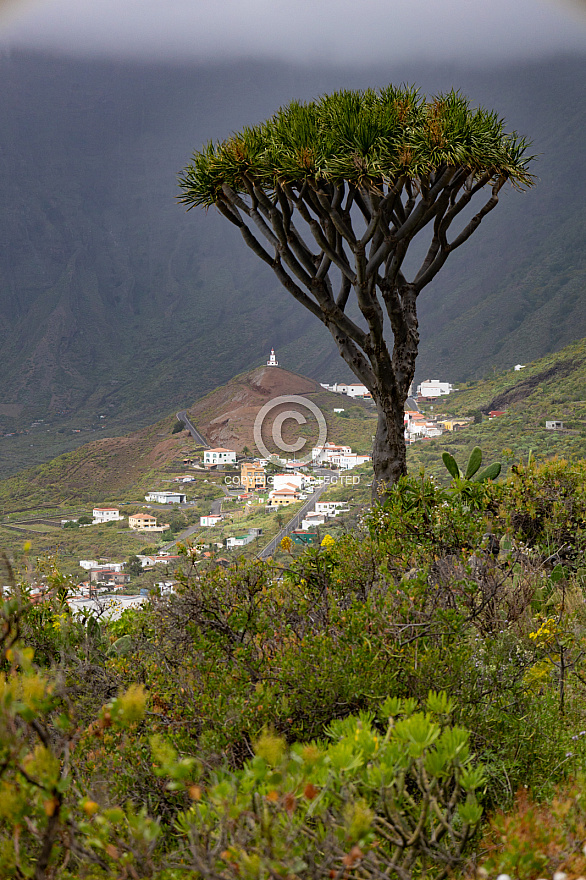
(489,473)
(474,463)
(451,465)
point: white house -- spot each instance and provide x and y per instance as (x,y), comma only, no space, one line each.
(88,563)
(219,456)
(357,390)
(434,388)
(347,461)
(327,451)
(331,508)
(166,587)
(106,514)
(210,520)
(312,520)
(295,481)
(160,559)
(91,565)
(353,389)
(415,425)
(166,497)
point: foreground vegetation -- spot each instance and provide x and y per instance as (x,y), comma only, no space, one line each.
(407,698)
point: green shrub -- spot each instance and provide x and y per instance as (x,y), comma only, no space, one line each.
(396,801)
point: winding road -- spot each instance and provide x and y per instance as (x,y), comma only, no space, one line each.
(199,438)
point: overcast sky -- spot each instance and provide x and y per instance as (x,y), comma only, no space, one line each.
(357,31)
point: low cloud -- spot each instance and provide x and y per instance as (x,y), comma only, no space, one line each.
(340,31)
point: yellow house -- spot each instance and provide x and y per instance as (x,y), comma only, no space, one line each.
(252,476)
(144,522)
(286,495)
(454,424)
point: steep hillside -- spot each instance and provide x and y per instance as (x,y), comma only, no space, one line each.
(114,302)
(550,389)
(96,471)
(122,467)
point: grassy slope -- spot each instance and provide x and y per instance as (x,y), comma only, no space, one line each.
(553,387)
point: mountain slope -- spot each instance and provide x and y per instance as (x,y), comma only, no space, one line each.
(115,303)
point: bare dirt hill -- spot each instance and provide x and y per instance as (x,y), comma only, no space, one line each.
(226,416)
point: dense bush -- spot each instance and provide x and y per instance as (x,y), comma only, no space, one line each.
(240,728)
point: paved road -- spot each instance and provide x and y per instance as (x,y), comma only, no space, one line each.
(199,438)
(295,522)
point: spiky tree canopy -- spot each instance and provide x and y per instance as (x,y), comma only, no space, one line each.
(366,139)
(366,172)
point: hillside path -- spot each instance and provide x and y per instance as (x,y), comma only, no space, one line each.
(199,438)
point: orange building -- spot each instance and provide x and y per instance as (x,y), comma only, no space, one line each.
(252,476)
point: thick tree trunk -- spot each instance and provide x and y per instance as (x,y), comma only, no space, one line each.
(389,451)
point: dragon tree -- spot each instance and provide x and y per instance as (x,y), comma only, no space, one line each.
(331,193)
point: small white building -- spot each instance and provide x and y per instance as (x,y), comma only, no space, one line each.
(91,565)
(88,563)
(239,541)
(158,559)
(331,508)
(312,520)
(357,390)
(554,426)
(219,455)
(106,514)
(166,497)
(166,587)
(352,389)
(434,388)
(326,452)
(210,520)
(272,361)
